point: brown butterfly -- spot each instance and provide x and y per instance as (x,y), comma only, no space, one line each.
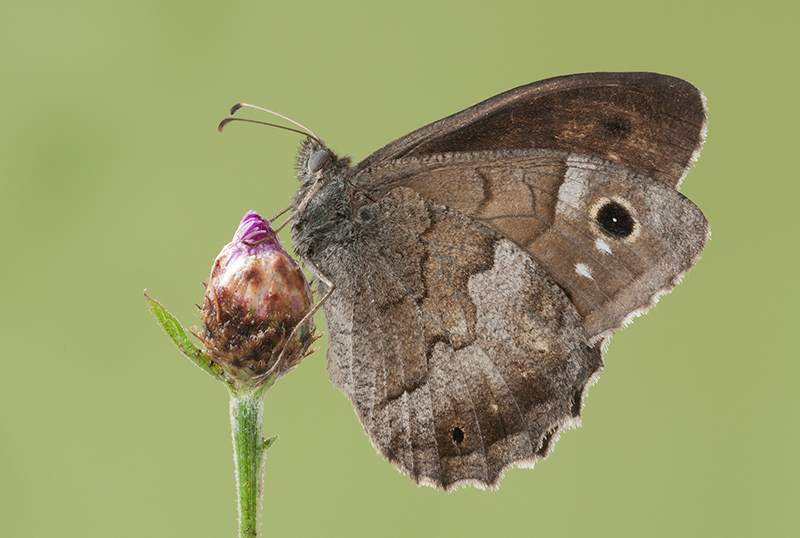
(475,268)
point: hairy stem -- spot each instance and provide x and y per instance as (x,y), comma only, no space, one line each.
(249,455)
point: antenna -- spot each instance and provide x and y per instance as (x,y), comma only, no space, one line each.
(237,106)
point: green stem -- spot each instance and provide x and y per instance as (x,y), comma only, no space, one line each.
(249,455)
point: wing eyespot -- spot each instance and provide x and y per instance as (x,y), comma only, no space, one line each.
(458,435)
(615,219)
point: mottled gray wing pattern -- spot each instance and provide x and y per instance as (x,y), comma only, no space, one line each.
(459,353)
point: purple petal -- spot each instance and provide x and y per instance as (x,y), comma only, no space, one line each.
(255,228)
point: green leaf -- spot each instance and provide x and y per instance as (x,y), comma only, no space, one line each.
(177,333)
(268,442)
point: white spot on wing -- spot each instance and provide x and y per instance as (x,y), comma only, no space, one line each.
(583,270)
(576,182)
(602,246)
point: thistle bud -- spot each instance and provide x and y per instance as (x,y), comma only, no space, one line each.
(255,297)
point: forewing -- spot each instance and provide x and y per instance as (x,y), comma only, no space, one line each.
(560,207)
(653,124)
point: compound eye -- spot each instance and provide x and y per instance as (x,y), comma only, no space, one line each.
(319,160)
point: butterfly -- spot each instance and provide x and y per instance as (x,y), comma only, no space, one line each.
(472,271)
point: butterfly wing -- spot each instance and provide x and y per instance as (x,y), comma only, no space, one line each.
(460,355)
(612,239)
(477,275)
(653,124)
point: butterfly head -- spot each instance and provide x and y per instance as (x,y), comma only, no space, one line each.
(322,203)
(317,162)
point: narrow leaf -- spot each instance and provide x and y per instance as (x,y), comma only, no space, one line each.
(178,335)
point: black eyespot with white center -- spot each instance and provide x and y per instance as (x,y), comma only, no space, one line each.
(615,220)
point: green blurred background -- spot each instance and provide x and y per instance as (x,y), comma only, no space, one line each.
(113,179)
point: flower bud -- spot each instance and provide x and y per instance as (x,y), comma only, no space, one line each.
(255,297)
